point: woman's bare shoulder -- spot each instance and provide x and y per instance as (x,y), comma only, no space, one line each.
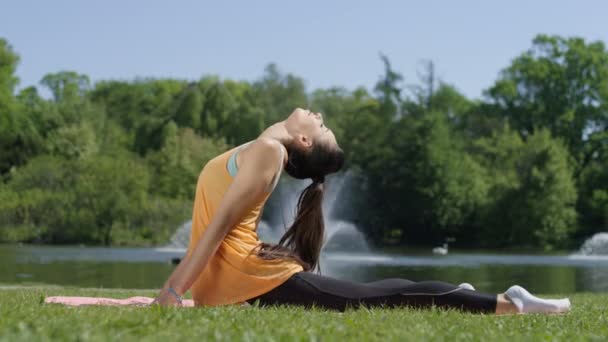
(264,150)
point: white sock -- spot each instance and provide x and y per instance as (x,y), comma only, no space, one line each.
(527,303)
(466,286)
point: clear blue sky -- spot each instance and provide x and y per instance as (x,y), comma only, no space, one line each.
(328,43)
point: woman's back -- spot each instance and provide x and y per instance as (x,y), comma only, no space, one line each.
(233,275)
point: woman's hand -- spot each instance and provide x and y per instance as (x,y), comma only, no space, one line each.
(166,298)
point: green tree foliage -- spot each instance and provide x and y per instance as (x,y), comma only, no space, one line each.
(8,80)
(66,86)
(428,172)
(389,91)
(91,201)
(73,141)
(177,164)
(131,103)
(593,198)
(188,113)
(219,107)
(19,138)
(560,84)
(532,192)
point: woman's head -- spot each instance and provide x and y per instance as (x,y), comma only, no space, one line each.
(307,128)
(313,153)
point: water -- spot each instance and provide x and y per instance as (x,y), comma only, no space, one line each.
(85,266)
(488,272)
(149,268)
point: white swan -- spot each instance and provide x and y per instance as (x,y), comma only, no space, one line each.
(441,250)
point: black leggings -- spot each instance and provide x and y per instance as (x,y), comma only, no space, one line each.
(308,289)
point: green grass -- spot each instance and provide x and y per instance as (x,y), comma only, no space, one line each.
(23,316)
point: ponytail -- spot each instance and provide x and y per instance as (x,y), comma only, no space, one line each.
(302,242)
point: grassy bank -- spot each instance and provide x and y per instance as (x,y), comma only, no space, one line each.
(25,317)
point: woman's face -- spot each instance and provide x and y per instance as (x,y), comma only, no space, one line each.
(310,128)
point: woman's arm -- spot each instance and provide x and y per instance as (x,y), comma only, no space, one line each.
(259,166)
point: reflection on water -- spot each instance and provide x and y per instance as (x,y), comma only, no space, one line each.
(149,268)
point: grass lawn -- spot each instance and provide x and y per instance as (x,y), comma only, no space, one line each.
(23,316)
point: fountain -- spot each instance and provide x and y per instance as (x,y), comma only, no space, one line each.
(340,235)
(181,237)
(595,245)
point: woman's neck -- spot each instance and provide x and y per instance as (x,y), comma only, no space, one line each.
(279,132)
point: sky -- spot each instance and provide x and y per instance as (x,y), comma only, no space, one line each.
(327,43)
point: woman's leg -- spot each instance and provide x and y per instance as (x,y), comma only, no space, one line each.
(390,283)
(309,289)
(505,306)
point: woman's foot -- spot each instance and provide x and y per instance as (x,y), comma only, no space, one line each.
(527,303)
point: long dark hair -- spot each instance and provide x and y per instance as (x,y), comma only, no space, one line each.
(302,242)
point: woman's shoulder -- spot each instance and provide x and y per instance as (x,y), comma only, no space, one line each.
(270,150)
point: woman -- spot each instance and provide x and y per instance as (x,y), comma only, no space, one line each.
(226,263)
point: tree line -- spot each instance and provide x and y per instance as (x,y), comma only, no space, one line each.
(116,162)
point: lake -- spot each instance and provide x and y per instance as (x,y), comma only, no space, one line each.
(149,267)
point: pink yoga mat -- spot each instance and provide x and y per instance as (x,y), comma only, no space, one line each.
(133,301)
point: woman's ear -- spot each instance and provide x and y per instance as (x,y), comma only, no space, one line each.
(303,141)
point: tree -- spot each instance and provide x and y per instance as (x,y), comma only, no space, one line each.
(8,63)
(560,84)
(66,85)
(133,103)
(388,91)
(431,186)
(532,192)
(178,163)
(80,200)
(18,136)
(216,114)
(593,197)
(189,107)
(73,141)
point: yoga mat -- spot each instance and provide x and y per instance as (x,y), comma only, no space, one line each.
(80,301)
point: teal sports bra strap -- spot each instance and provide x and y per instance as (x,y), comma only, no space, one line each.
(233,169)
(231,166)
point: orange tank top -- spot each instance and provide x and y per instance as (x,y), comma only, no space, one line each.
(232,275)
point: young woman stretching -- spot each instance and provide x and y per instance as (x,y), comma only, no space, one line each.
(226,263)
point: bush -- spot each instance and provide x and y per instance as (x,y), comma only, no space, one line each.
(532,190)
